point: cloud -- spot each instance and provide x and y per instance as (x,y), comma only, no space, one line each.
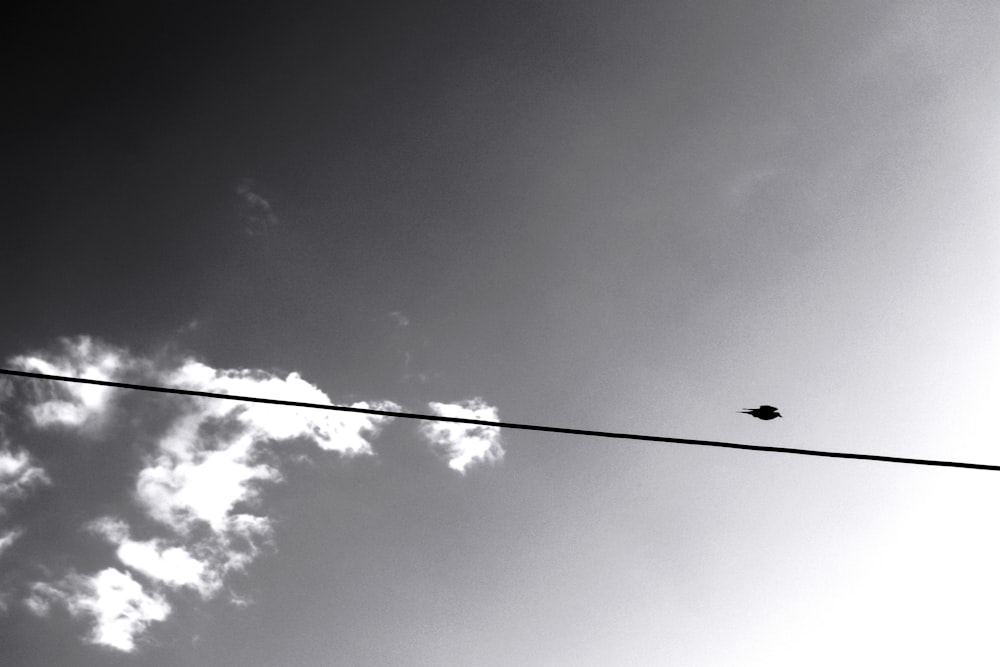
(118,606)
(195,478)
(343,432)
(464,445)
(208,461)
(18,474)
(183,487)
(404,339)
(200,566)
(190,327)
(202,465)
(255,211)
(8,537)
(66,404)
(399,318)
(174,566)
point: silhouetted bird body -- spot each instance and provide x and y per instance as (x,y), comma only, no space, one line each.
(764,412)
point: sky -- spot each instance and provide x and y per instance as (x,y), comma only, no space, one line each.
(626,216)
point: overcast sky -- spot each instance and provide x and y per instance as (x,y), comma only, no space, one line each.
(627,216)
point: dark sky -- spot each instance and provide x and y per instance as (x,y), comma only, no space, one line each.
(637,216)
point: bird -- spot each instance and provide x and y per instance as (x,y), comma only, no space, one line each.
(765,412)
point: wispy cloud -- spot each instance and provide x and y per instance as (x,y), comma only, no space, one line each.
(19,473)
(255,211)
(399,318)
(196,514)
(8,537)
(407,341)
(745,185)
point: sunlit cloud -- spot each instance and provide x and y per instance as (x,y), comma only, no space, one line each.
(201,465)
(205,463)
(118,606)
(208,461)
(66,404)
(342,432)
(171,565)
(201,485)
(18,474)
(465,445)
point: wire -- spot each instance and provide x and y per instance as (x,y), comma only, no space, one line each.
(523,427)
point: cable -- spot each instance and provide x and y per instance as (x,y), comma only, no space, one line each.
(524,427)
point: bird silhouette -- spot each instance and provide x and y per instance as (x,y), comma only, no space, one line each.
(765,412)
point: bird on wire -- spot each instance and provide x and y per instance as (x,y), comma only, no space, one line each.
(765,412)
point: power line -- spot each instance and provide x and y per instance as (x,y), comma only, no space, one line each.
(523,427)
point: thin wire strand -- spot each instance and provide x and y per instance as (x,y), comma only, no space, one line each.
(511,425)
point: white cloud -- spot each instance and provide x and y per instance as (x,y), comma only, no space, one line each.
(203,465)
(201,485)
(171,565)
(208,462)
(18,474)
(72,404)
(337,431)
(117,604)
(202,473)
(200,564)
(7,538)
(200,479)
(464,445)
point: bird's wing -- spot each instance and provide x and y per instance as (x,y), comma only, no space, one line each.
(769,408)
